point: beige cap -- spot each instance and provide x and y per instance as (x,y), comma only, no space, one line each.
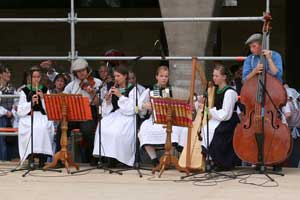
(79,64)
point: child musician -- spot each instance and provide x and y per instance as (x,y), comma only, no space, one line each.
(32,103)
(223,119)
(150,134)
(117,124)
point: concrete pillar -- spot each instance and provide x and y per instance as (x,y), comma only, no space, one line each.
(185,38)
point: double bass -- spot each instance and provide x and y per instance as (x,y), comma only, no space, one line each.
(261,137)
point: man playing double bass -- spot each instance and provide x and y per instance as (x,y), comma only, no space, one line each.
(252,65)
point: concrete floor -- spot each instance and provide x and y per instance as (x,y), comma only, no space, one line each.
(102,185)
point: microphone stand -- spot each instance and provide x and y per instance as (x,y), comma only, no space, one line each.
(31,167)
(99,163)
(137,160)
(136,166)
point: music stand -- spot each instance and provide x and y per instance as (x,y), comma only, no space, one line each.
(170,112)
(66,108)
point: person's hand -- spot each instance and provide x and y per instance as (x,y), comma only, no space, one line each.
(40,94)
(267,53)
(258,69)
(15,107)
(35,99)
(116,91)
(147,106)
(9,114)
(201,102)
(90,90)
(108,97)
(201,99)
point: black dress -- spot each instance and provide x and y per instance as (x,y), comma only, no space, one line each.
(221,147)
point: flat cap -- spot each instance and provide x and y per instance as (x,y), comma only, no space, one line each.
(254,38)
(79,64)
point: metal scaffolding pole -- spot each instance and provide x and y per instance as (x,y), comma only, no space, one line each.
(72,31)
(172,19)
(72,17)
(268,11)
(50,20)
(9,96)
(268,6)
(236,58)
(35,58)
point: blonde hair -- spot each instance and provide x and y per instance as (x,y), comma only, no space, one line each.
(161,68)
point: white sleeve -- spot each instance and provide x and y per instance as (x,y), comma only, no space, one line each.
(127,104)
(24,107)
(68,88)
(3,111)
(14,113)
(140,89)
(225,113)
(144,98)
(286,109)
(106,108)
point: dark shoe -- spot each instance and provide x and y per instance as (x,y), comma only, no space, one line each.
(59,164)
(221,169)
(260,168)
(111,162)
(93,161)
(42,161)
(277,168)
(155,162)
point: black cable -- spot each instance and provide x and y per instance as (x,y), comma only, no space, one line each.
(245,181)
(59,176)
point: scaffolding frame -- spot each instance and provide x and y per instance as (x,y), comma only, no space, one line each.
(72,19)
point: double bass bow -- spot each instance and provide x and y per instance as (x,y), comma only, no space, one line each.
(261,138)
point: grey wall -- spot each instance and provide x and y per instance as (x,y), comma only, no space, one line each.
(187,39)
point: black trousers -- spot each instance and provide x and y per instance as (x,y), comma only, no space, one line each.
(87,128)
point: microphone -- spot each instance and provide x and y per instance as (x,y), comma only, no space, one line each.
(156,42)
(162,53)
